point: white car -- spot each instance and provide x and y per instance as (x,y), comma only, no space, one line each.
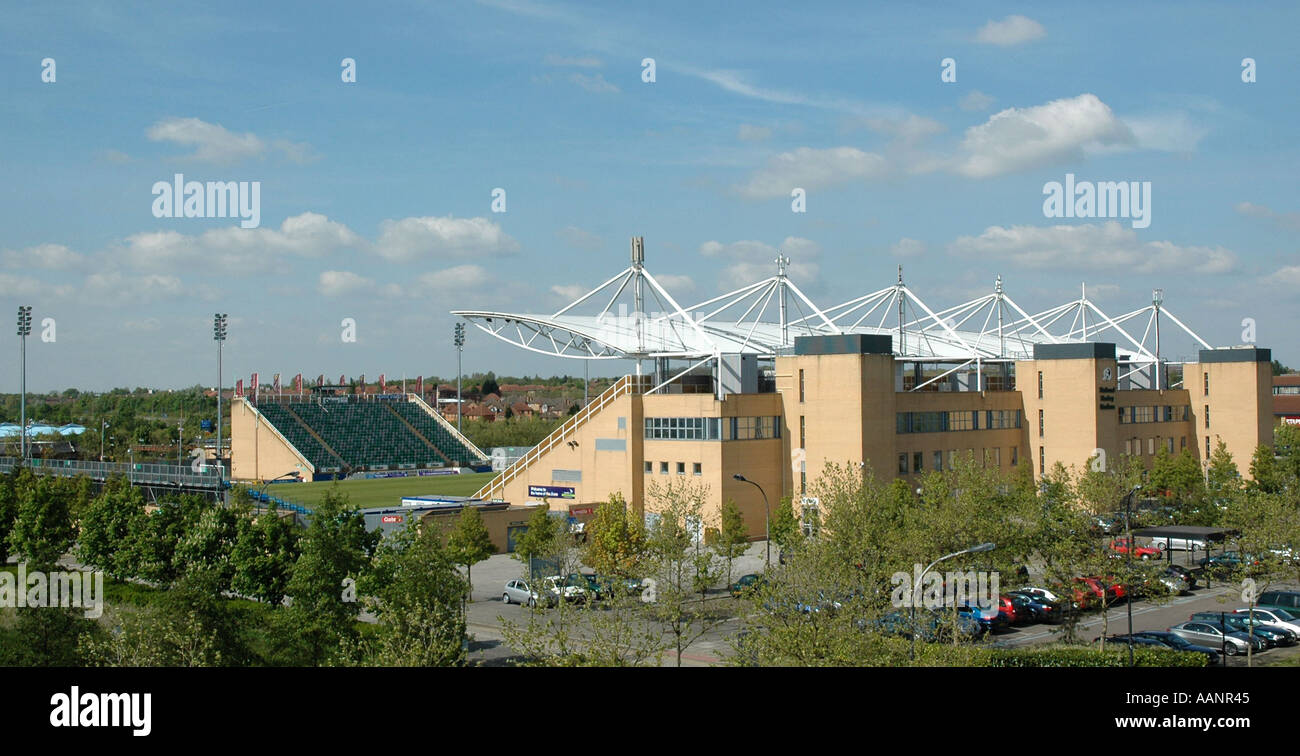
(1273,616)
(519,592)
(1178,544)
(556,586)
(1041,593)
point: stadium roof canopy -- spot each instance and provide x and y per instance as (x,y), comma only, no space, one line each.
(633,316)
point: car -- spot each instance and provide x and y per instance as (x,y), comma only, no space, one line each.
(747,584)
(1010,612)
(1093,590)
(1178,643)
(989,618)
(1031,608)
(589,584)
(1180,544)
(1121,546)
(1188,575)
(1273,635)
(519,592)
(1273,615)
(823,603)
(1213,634)
(1041,593)
(560,586)
(1227,562)
(1108,524)
(938,625)
(1286,600)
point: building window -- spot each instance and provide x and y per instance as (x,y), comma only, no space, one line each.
(1170,445)
(1040,384)
(1015,456)
(1182,443)
(902,464)
(993,457)
(751,428)
(1206,377)
(999,419)
(1151,445)
(803,482)
(1207,447)
(801,395)
(1128,446)
(812,520)
(958,421)
(663,468)
(1041,426)
(1143,414)
(649,468)
(1207,416)
(938,461)
(918,461)
(952,458)
(682,428)
(681,468)
(699,469)
(1042,461)
(803,438)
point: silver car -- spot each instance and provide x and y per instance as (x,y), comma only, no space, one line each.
(1274,616)
(518,592)
(1214,635)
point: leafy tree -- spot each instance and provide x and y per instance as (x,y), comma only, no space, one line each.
(733,537)
(106,527)
(263,556)
(784,528)
(47,637)
(1223,479)
(207,543)
(469,543)
(335,548)
(10,485)
(538,539)
(43,530)
(1265,474)
(417,593)
(616,540)
(490,385)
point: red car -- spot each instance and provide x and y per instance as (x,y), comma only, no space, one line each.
(1008,610)
(1121,546)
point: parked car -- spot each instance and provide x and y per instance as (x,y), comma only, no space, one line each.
(1012,613)
(1189,575)
(1179,544)
(1179,643)
(746,584)
(938,626)
(1108,524)
(1274,615)
(588,583)
(1214,634)
(1042,593)
(990,619)
(1035,608)
(560,586)
(1273,635)
(519,592)
(1121,546)
(1227,562)
(1285,600)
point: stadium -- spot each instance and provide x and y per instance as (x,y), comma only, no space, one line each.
(760,388)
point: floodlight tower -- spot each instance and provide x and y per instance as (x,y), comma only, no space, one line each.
(219,321)
(459,340)
(24,330)
(1157,299)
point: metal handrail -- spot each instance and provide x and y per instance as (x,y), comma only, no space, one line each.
(136,472)
(621,386)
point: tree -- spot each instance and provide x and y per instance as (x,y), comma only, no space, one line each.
(1223,480)
(490,385)
(263,556)
(335,549)
(1265,474)
(784,528)
(469,543)
(537,540)
(106,527)
(417,594)
(43,530)
(733,538)
(10,485)
(616,540)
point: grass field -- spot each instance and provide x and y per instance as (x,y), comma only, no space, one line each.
(383,492)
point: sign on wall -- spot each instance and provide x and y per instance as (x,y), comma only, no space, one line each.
(551,492)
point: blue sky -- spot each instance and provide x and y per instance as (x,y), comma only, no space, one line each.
(376,195)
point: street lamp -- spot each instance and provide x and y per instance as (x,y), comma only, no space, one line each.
(458,338)
(767,516)
(24,330)
(1128,575)
(916,588)
(103,425)
(219,336)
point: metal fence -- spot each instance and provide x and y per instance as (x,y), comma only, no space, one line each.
(207,476)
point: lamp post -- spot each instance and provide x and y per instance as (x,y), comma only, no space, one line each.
(24,330)
(103,426)
(1128,575)
(459,340)
(916,588)
(219,335)
(767,517)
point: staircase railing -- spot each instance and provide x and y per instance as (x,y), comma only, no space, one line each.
(621,387)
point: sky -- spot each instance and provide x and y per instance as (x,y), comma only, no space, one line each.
(920,136)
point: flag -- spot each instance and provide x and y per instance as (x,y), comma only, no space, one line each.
(343,380)
(254,388)
(320,381)
(383,385)
(275,383)
(297,384)
(420,386)
(239,387)
(361,384)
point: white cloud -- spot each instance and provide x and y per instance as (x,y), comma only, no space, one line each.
(238,250)
(676,284)
(1018,139)
(1168,132)
(1012,30)
(411,238)
(810,169)
(123,287)
(975,101)
(213,143)
(568,292)
(335,282)
(594,84)
(1289,221)
(1288,277)
(457,279)
(909,129)
(115,156)
(43,256)
(754,260)
(573,62)
(751,133)
(1108,247)
(907,248)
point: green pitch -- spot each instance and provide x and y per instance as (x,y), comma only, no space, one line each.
(383,492)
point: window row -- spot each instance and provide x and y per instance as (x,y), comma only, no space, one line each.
(1158,414)
(712,428)
(935,422)
(696,468)
(1134,446)
(915,462)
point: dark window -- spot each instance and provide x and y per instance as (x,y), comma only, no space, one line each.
(1040,384)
